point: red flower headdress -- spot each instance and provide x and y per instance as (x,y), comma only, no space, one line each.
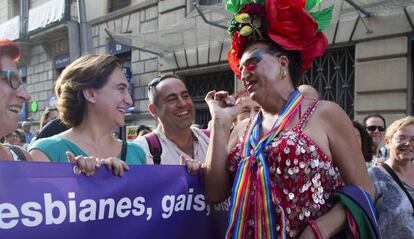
(289,23)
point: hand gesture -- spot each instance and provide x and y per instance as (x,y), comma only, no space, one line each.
(222,106)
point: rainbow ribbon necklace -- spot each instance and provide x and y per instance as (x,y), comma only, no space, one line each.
(254,162)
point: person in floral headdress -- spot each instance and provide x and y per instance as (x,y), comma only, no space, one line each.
(298,171)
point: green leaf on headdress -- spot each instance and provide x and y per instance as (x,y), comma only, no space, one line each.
(246,30)
(311,4)
(323,18)
(233,26)
(233,6)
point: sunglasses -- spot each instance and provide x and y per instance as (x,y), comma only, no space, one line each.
(374,128)
(154,82)
(12,78)
(157,80)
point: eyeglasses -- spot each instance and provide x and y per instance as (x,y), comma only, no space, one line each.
(374,128)
(403,139)
(12,78)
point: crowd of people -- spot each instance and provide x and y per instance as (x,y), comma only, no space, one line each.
(293,165)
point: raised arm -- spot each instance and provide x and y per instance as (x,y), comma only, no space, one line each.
(223,110)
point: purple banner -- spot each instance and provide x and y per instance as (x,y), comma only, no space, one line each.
(47,200)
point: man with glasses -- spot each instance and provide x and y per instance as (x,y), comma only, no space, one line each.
(375,126)
(13,95)
(171,105)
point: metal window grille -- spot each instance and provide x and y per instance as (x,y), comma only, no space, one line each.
(333,76)
(199,85)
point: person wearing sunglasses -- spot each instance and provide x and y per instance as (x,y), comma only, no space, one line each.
(13,94)
(283,168)
(171,104)
(375,126)
(92,99)
(394,181)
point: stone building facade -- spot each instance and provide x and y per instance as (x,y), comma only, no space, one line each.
(368,67)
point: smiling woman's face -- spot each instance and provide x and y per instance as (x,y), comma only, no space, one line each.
(11,100)
(401,145)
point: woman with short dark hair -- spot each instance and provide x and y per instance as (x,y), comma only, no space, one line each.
(92,98)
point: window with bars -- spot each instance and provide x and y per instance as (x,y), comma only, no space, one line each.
(114,5)
(199,85)
(333,76)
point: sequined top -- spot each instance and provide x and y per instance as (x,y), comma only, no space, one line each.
(302,178)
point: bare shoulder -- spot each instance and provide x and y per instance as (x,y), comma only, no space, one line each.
(336,123)
(331,113)
(328,107)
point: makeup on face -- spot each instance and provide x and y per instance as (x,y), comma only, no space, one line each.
(252,59)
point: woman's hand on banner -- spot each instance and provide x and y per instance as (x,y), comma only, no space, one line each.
(117,166)
(88,165)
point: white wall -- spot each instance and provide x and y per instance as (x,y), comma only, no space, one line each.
(95,9)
